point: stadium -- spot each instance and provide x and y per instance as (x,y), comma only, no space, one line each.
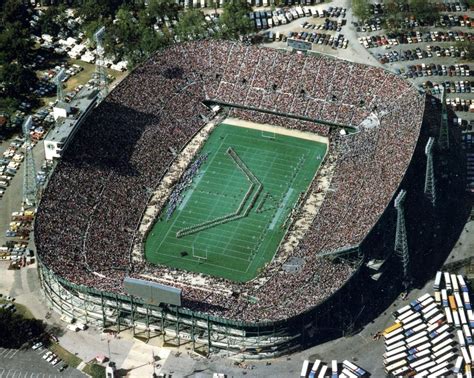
(256,181)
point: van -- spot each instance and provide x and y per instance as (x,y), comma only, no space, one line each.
(81,326)
(73,327)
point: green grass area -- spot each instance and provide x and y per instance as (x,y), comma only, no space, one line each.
(94,370)
(82,77)
(68,357)
(233,215)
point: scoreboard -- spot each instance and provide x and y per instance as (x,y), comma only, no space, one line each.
(299,45)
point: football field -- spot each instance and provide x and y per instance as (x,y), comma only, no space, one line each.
(232,216)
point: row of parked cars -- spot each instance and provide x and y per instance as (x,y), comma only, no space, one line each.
(328,25)
(16,252)
(8,307)
(418,53)
(460,104)
(336,41)
(462,86)
(334,12)
(431,36)
(50,357)
(10,163)
(450,87)
(394,39)
(453,6)
(450,20)
(432,69)
(267,18)
(44,88)
(371,25)
(444,21)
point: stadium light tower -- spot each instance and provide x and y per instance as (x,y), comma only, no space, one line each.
(401,242)
(443,140)
(101,74)
(59,85)
(430,187)
(29,178)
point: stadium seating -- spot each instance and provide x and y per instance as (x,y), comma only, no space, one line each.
(89,215)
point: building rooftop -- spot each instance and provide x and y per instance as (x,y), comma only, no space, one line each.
(65,126)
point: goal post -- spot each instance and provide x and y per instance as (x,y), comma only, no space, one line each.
(268,134)
(200,257)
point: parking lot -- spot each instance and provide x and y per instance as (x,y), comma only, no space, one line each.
(15,363)
(13,373)
(430,58)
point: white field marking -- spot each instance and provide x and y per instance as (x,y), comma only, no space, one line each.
(275,129)
(281,208)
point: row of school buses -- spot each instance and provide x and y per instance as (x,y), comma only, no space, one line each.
(321,370)
(422,341)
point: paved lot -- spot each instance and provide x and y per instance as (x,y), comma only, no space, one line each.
(354,52)
(29,363)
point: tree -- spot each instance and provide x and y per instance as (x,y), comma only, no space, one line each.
(235,20)
(127,28)
(161,8)
(422,9)
(360,8)
(15,45)
(53,20)
(17,80)
(152,41)
(191,24)
(468,46)
(99,9)
(14,11)
(393,14)
(16,330)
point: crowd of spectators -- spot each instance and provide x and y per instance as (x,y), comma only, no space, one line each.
(185,180)
(89,215)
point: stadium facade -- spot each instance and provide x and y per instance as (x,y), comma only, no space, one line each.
(91,292)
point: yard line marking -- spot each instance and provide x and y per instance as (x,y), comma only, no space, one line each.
(281,208)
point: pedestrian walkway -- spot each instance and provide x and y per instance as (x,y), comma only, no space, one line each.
(143,360)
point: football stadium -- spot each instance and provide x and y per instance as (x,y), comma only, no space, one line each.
(248,189)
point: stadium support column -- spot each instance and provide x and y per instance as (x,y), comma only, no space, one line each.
(29,177)
(209,330)
(100,72)
(401,242)
(443,140)
(102,308)
(430,187)
(58,80)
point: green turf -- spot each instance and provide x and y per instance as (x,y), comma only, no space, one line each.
(232,214)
